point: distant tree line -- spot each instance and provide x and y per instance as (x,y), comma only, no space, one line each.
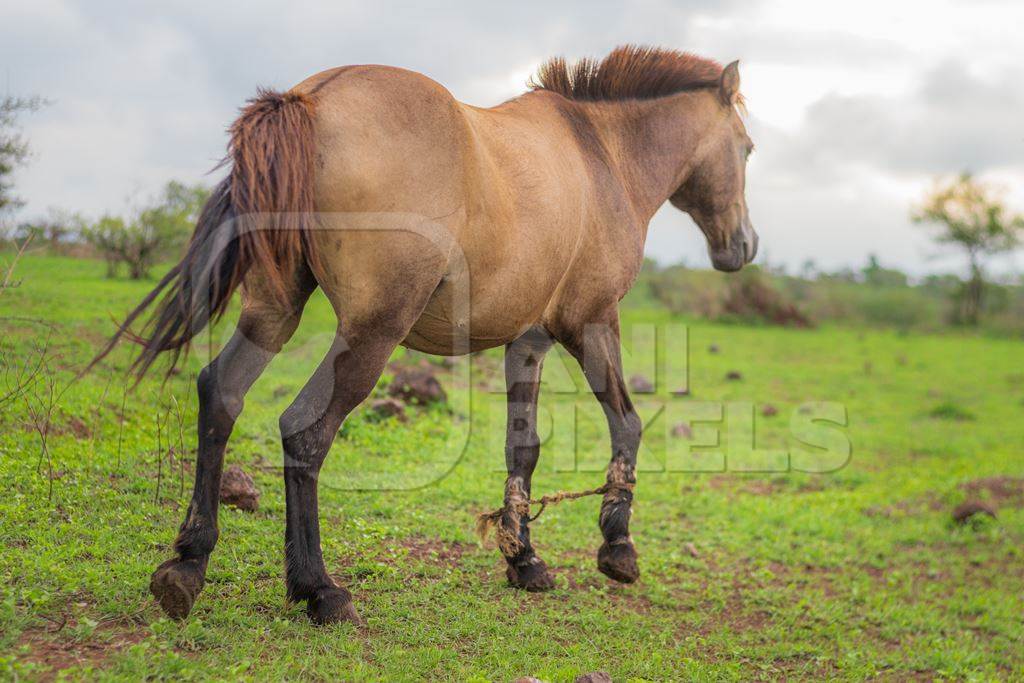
(869,296)
(131,243)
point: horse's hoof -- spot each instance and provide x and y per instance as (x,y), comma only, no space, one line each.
(618,562)
(532,575)
(330,606)
(176,584)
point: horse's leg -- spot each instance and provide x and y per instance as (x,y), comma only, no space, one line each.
(524,359)
(598,350)
(344,378)
(262,331)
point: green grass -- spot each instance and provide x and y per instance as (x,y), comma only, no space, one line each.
(850,574)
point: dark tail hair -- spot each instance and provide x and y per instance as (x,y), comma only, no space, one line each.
(260,215)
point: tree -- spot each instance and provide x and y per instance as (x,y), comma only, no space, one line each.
(13,147)
(155,232)
(107,236)
(972,216)
(876,275)
(54,230)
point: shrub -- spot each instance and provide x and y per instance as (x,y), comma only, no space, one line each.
(155,233)
(750,296)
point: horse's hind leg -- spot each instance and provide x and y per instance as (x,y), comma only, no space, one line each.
(597,348)
(262,330)
(524,359)
(344,378)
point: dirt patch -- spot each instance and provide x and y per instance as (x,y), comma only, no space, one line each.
(802,667)
(754,487)
(56,647)
(906,508)
(77,426)
(736,615)
(73,426)
(619,596)
(434,551)
(999,490)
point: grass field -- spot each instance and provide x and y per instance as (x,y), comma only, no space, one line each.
(855,573)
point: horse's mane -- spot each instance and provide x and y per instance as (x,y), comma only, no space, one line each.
(629,72)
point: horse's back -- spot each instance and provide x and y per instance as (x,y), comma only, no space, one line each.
(395,146)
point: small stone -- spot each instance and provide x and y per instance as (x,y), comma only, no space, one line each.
(769,410)
(691,549)
(237,489)
(641,384)
(682,431)
(713,348)
(733,375)
(964,511)
(594,677)
(417,385)
(685,391)
(527,679)
(388,407)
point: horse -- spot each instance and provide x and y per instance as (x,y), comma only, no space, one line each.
(537,209)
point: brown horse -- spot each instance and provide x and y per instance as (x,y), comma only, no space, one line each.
(400,202)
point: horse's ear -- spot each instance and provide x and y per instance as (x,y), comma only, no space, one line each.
(729,84)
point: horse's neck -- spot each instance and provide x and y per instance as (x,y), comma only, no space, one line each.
(655,143)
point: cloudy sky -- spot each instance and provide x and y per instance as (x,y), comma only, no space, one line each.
(854,106)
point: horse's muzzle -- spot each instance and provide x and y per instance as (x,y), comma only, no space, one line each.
(741,250)
(739,253)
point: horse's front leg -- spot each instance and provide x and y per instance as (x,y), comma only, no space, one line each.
(523,361)
(597,348)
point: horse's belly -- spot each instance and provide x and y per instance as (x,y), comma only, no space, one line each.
(459,319)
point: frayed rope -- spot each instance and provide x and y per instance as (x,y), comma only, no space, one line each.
(487,521)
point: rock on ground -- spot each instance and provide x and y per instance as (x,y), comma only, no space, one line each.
(682,431)
(238,489)
(594,677)
(964,511)
(641,384)
(388,407)
(417,385)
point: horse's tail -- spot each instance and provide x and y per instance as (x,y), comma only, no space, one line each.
(260,215)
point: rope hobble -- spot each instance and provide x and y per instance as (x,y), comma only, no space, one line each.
(489,520)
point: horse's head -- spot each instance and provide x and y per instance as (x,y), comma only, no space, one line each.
(713,192)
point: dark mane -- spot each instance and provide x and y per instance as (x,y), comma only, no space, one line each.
(629,72)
